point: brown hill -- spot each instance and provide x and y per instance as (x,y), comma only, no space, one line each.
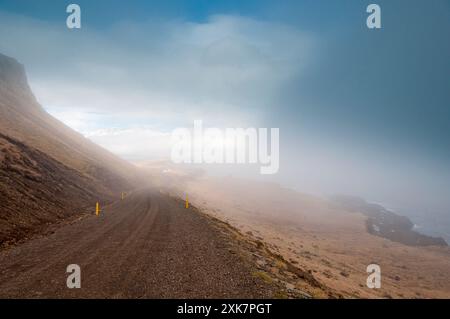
(47,170)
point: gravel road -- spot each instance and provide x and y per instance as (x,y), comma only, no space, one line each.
(145,246)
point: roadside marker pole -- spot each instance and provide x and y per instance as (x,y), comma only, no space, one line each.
(122,195)
(187,201)
(97,209)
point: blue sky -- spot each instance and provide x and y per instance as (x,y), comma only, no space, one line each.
(360,111)
(110,11)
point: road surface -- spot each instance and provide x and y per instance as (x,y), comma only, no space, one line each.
(146,246)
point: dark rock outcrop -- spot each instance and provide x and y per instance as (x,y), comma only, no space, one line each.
(384,223)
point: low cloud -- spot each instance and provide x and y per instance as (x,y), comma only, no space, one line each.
(173,70)
(135,143)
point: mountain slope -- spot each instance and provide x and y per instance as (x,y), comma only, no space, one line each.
(48,171)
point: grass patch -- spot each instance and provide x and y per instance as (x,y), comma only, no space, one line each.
(280,295)
(264,276)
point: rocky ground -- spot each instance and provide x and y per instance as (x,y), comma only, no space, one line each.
(146,246)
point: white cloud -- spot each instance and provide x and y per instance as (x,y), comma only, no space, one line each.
(136,143)
(225,71)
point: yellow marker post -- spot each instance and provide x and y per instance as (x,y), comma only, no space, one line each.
(97,209)
(187,201)
(122,196)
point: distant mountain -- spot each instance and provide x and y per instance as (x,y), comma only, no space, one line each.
(384,223)
(47,171)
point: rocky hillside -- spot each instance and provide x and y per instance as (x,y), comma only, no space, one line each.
(47,171)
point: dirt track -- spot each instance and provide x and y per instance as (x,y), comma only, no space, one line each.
(146,246)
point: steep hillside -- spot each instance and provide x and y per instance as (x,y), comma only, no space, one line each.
(48,171)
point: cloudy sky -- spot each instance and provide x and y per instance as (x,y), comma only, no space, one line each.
(364,112)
